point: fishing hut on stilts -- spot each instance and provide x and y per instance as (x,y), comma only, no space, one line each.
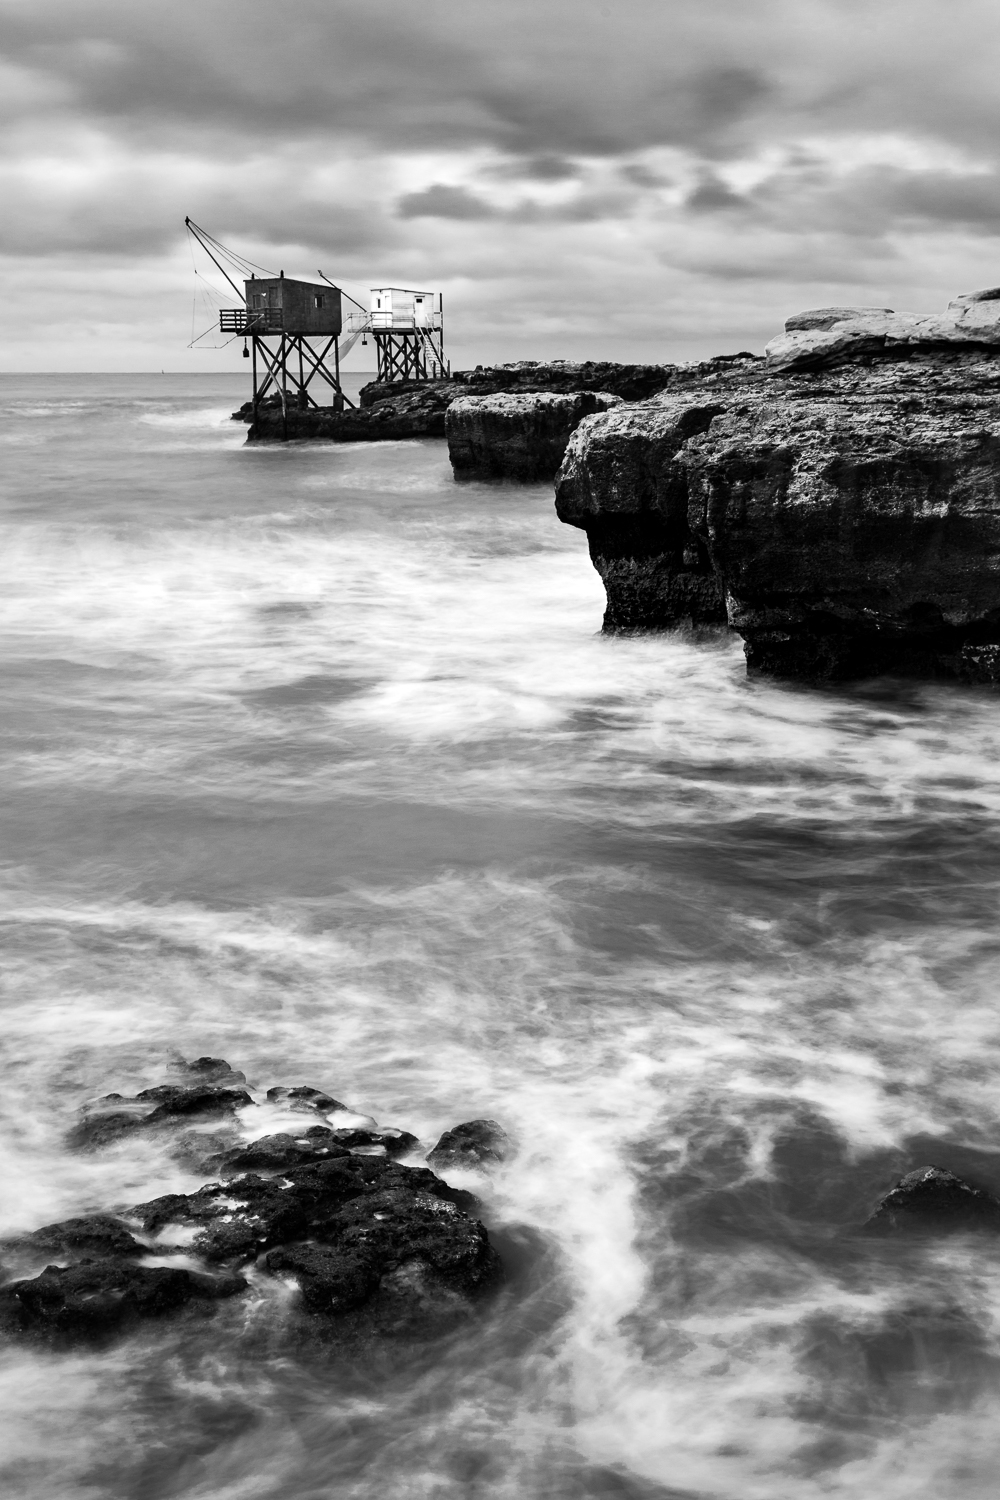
(292,329)
(407,329)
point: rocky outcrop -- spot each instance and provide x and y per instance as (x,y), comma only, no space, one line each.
(216,1095)
(826,334)
(520,437)
(380,1247)
(563,376)
(417,411)
(414,408)
(936,1200)
(94,1298)
(475,1143)
(844,518)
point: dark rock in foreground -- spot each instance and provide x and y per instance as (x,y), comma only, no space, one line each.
(520,437)
(329,1209)
(100,1234)
(932,1199)
(845,520)
(473,1144)
(97,1297)
(278,1152)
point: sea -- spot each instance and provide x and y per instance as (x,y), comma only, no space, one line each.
(317,761)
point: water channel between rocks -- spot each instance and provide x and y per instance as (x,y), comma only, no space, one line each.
(316,761)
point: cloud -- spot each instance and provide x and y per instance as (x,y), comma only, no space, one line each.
(573,172)
(712,194)
(439,201)
(540,78)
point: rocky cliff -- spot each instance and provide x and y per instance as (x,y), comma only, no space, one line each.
(520,437)
(841,511)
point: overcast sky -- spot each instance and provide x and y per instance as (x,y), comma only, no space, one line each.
(644,179)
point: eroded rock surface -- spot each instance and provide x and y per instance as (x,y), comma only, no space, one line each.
(94,1298)
(328,1209)
(412,408)
(116,1115)
(845,520)
(417,411)
(823,335)
(630,382)
(520,437)
(475,1143)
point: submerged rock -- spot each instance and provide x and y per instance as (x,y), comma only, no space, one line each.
(475,1143)
(306,1099)
(519,437)
(102,1234)
(934,1199)
(214,1070)
(115,1115)
(845,521)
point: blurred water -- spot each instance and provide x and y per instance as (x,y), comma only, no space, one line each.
(316,761)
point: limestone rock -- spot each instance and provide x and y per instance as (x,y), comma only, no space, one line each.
(854,533)
(416,408)
(622,483)
(561,376)
(828,335)
(933,1199)
(519,437)
(848,517)
(818,318)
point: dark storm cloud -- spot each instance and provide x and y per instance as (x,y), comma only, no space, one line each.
(439,201)
(713,194)
(540,78)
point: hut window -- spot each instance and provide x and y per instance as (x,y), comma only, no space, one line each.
(320,299)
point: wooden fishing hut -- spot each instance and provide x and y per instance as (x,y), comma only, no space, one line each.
(407,328)
(292,328)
